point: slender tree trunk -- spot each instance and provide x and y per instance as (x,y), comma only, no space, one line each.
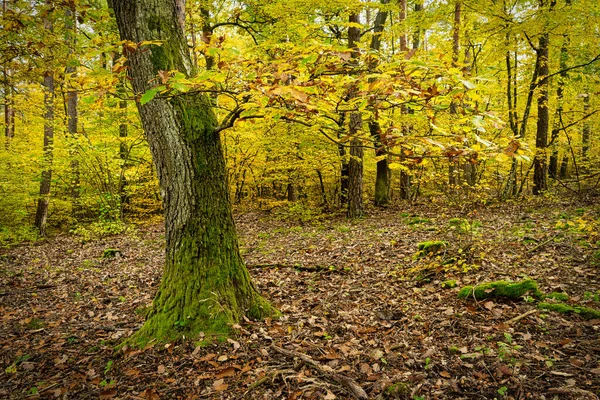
(9,111)
(418,7)
(205,286)
(72,112)
(322,186)
(382,179)
(405,190)
(540,183)
(553,164)
(586,132)
(41,215)
(454,162)
(292,193)
(355,164)
(564,166)
(344,172)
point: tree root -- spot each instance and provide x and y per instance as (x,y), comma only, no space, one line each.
(347,383)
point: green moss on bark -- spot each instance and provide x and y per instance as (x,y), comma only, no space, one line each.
(509,290)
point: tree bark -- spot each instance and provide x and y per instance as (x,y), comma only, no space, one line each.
(355,164)
(72,112)
(41,215)
(454,162)
(553,164)
(382,179)
(418,7)
(540,183)
(586,132)
(9,111)
(206,286)
(405,190)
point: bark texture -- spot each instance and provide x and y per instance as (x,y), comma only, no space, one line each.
(205,286)
(355,164)
(72,110)
(41,215)
(540,183)
(382,179)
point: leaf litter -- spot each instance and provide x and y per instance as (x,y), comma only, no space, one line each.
(362,315)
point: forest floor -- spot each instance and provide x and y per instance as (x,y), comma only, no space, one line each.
(355,299)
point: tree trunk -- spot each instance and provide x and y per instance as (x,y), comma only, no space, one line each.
(586,132)
(405,191)
(355,164)
(417,33)
(72,113)
(343,175)
(206,286)
(454,162)
(9,111)
(564,166)
(355,169)
(540,183)
(292,193)
(382,179)
(553,165)
(41,215)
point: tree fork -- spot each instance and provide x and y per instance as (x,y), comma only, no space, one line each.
(206,286)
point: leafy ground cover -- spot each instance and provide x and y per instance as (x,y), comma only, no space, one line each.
(365,312)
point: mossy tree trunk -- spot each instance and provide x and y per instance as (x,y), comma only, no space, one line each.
(205,285)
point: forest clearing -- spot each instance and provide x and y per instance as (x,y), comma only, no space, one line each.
(354,298)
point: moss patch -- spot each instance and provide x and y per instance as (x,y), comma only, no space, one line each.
(449,284)
(110,253)
(557,296)
(399,390)
(585,312)
(430,248)
(509,290)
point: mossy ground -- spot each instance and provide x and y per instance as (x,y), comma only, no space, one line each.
(584,312)
(430,248)
(501,289)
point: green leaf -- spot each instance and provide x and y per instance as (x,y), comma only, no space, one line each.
(150,94)
(468,85)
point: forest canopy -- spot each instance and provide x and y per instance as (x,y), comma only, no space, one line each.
(462,101)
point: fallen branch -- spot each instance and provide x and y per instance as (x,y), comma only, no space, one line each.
(270,376)
(544,243)
(29,289)
(348,383)
(298,267)
(573,390)
(520,317)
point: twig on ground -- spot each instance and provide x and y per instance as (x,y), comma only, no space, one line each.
(520,317)
(348,383)
(572,390)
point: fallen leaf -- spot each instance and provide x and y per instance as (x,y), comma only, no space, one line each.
(236,345)
(108,394)
(219,385)
(229,371)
